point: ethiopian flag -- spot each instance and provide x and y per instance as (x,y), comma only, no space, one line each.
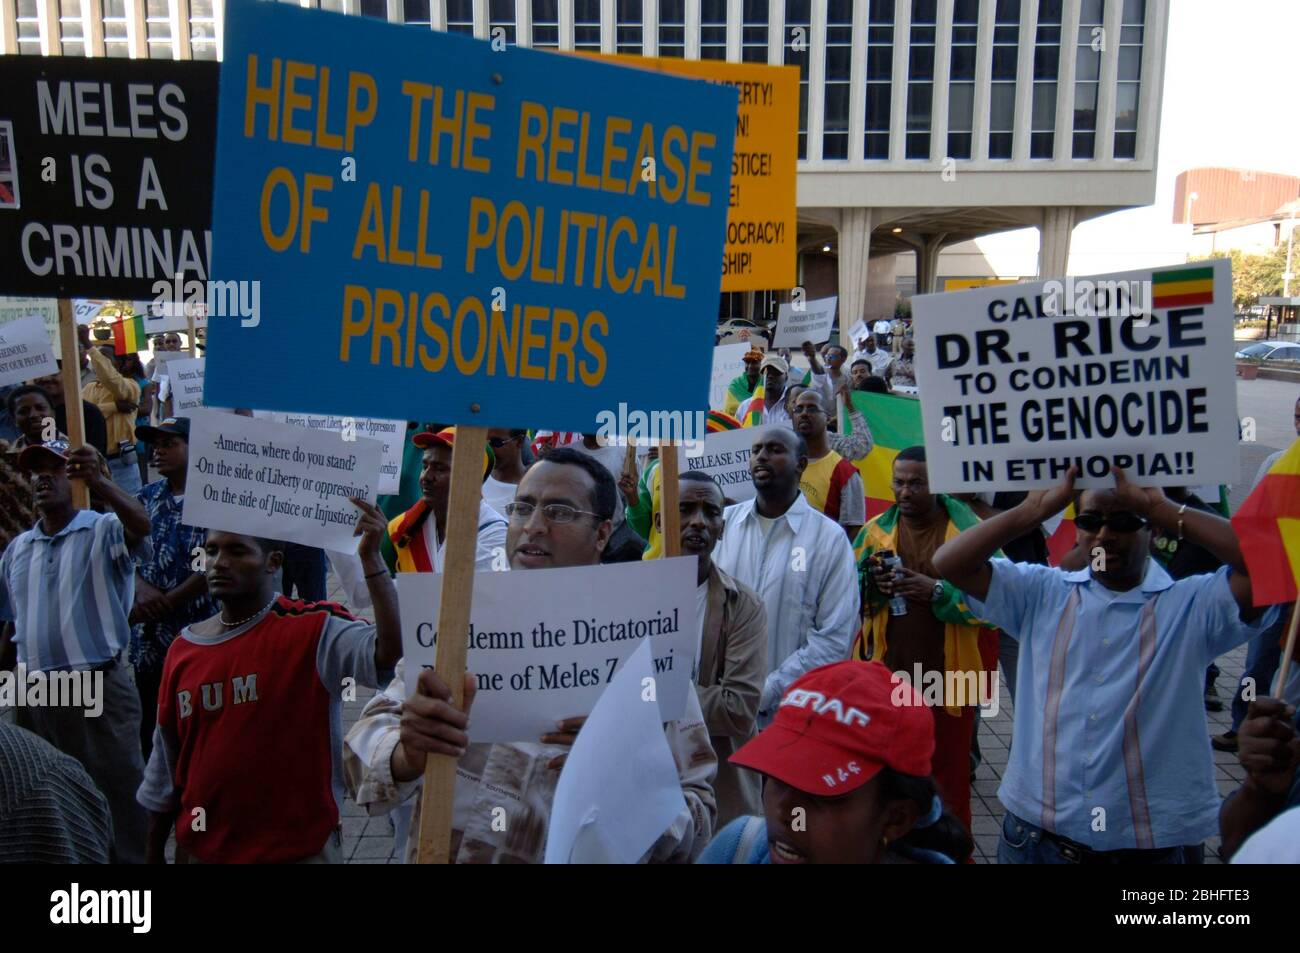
(895,424)
(128,335)
(1182,287)
(1268,528)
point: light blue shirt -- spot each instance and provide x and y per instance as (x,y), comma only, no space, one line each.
(1111,747)
(69,594)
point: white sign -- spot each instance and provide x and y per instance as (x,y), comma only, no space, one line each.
(1019,382)
(11,309)
(25,351)
(162,360)
(391,433)
(728,363)
(164,314)
(186,385)
(857,334)
(277,480)
(611,810)
(811,323)
(544,643)
(725,457)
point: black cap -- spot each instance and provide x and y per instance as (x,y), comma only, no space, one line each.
(172,426)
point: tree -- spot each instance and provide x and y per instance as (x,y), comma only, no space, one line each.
(1253,276)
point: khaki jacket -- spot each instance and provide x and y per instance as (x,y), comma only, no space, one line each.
(733,667)
(104,392)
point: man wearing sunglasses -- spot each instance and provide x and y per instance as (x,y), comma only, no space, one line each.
(1110,761)
(561,516)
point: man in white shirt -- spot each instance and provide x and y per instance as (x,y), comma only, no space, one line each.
(881,330)
(798,561)
(877,358)
(507,467)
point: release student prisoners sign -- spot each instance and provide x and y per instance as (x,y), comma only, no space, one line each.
(1018,383)
(443,230)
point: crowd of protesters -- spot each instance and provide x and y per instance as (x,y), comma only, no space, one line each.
(842,665)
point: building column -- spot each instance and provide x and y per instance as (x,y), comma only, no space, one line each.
(854,246)
(927,263)
(1054,241)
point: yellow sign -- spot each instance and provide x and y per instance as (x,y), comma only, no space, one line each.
(957,284)
(761,224)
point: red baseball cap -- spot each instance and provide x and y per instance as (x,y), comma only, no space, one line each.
(838,725)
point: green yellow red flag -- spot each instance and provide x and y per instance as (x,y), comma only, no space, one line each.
(1268,529)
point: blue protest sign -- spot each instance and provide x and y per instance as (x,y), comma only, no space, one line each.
(444,231)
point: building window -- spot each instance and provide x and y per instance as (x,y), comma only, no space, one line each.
(1129,79)
(203,30)
(158,30)
(375,9)
(1047,64)
(29,28)
(920,79)
(546,25)
(839,65)
(586,25)
(1087,75)
(753,32)
(961,77)
(460,16)
(72,40)
(672,28)
(1002,94)
(880,71)
(501,16)
(115,39)
(713,29)
(627,34)
(416,13)
(798,39)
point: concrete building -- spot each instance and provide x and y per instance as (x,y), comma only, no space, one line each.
(923,123)
(1245,209)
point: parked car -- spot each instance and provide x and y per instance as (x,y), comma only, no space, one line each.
(737,330)
(1271,351)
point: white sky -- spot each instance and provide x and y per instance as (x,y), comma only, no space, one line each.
(1232,74)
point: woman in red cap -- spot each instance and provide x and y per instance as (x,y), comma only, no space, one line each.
(846,765)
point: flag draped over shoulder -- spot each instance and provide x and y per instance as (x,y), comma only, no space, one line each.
(895,425)
(1268,528)
(755,416)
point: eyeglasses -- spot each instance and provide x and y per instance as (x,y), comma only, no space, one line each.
(519,512)
(1118,522)
(496,443)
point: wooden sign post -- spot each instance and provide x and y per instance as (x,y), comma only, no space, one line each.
(1287,652)
(70,355)
(669,514)
(453,624)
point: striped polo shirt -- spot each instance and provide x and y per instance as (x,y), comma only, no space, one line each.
(69,594)
(1109,747)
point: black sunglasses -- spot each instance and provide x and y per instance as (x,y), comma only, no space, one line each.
(1118,522)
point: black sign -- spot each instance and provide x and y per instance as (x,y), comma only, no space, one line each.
(105,174)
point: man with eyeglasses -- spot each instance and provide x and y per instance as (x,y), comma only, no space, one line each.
(831,484)
(1110,761)
(561,516)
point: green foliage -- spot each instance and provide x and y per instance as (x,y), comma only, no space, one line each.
(1253,276)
